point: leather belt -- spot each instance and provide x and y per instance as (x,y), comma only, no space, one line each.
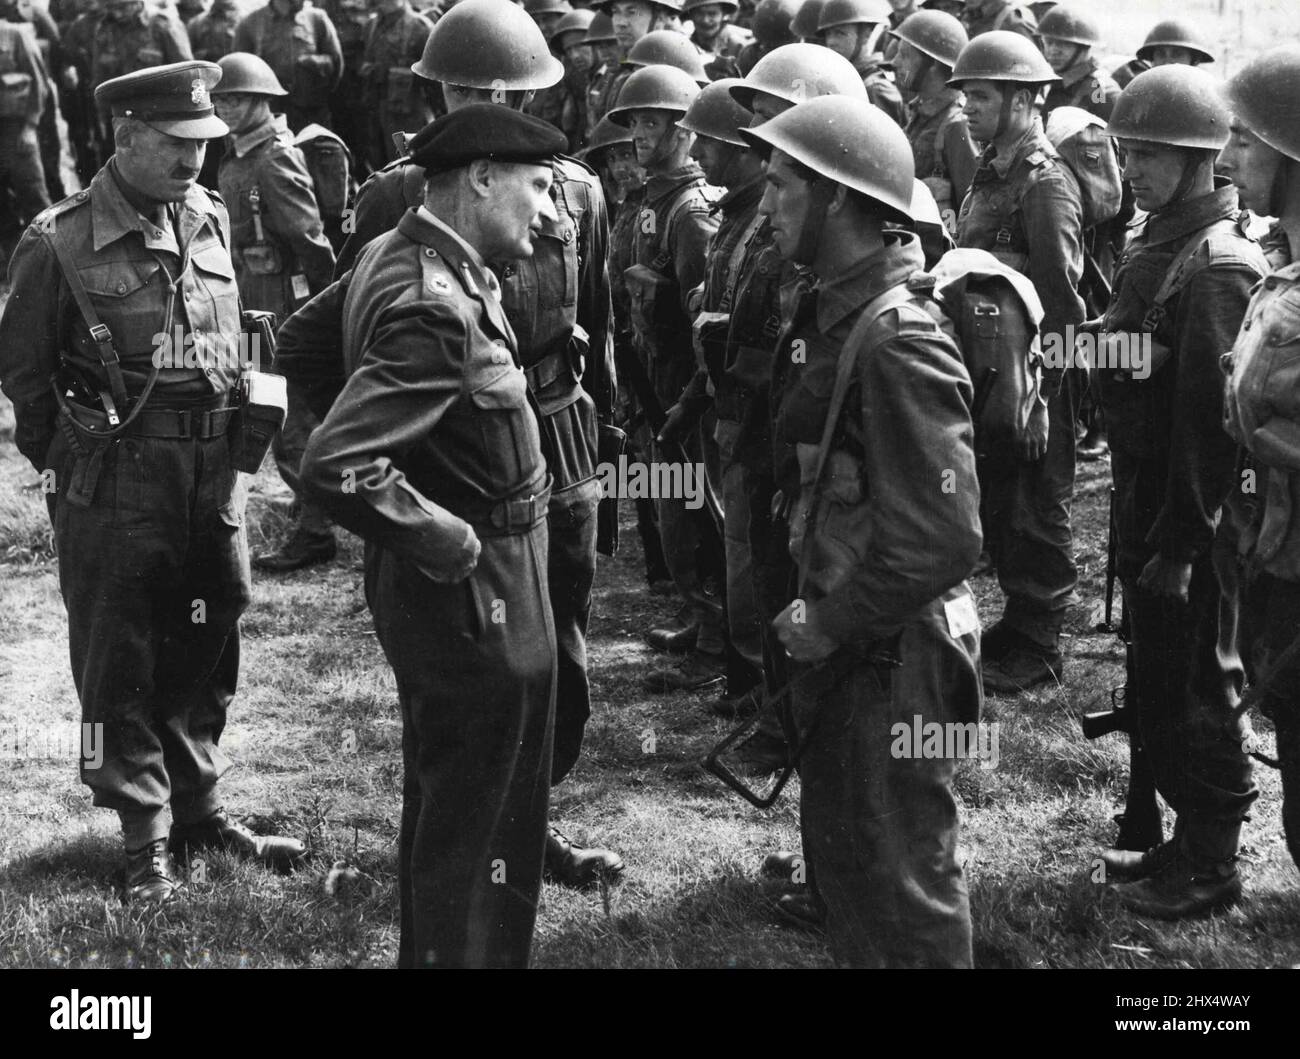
(202,423)
(506,517)
(547,370)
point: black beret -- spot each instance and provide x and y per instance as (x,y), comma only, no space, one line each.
(485,130)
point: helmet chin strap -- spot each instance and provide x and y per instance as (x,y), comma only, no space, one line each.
(1286,171)
(867,42)
(912,85)
(1009,89)
(820,193)
(1193,161)
(727,170)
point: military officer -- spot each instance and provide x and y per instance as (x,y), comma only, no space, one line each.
(433,454)
(281,256)
(877,410)
(148,508)
(394,40)
(1260,409)
(1184,281)
(301,45)
(558,304)
(1025,209)
(928,45)
(853,29)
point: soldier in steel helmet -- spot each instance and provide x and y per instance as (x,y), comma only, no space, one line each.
(715,396)
(780,80)
(147,505)
(558,304)
(630,20)
(945,155)
(876,412)
(605,55)
(1181,290)
(716,33)
(1069,34)
(1261,412)
(1173,41)
(1024,207)
(212,33)
(433,454)
(670,242)
(854,29)
(771,28)
(564,104)
(282,257)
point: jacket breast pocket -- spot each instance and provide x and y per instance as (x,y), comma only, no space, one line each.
(507,428)
(212,298)
(557,263)
(128,301)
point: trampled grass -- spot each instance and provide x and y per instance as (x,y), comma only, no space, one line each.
(316,737)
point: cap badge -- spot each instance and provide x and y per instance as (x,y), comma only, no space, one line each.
(198,94)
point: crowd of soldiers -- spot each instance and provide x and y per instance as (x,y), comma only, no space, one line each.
(749,278)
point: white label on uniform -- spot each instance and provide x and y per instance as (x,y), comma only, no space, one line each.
(962,616)
(300,288)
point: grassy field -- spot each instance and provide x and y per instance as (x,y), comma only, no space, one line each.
(316,737)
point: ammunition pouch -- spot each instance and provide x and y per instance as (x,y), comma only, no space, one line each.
(262,407)
(555,379)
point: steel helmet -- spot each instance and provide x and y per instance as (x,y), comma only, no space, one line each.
(799,72)
(939,36)
(804,23)
(576,21)
(1175,33)
(488,44)
(691,5)
(605,134)
(716,113)
(849,141)
(601,29)
(667,47)
(849,12)
(547,7)
(1070,23)
(1181,106)
(772,22)
(654,88)
(245,72)
(1000,55)
(672,5)
(1265,93)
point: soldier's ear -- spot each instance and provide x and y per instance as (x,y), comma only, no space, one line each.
(479,176)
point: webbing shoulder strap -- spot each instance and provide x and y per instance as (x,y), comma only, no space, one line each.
(1174,277)
(116,397)
(872,312)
